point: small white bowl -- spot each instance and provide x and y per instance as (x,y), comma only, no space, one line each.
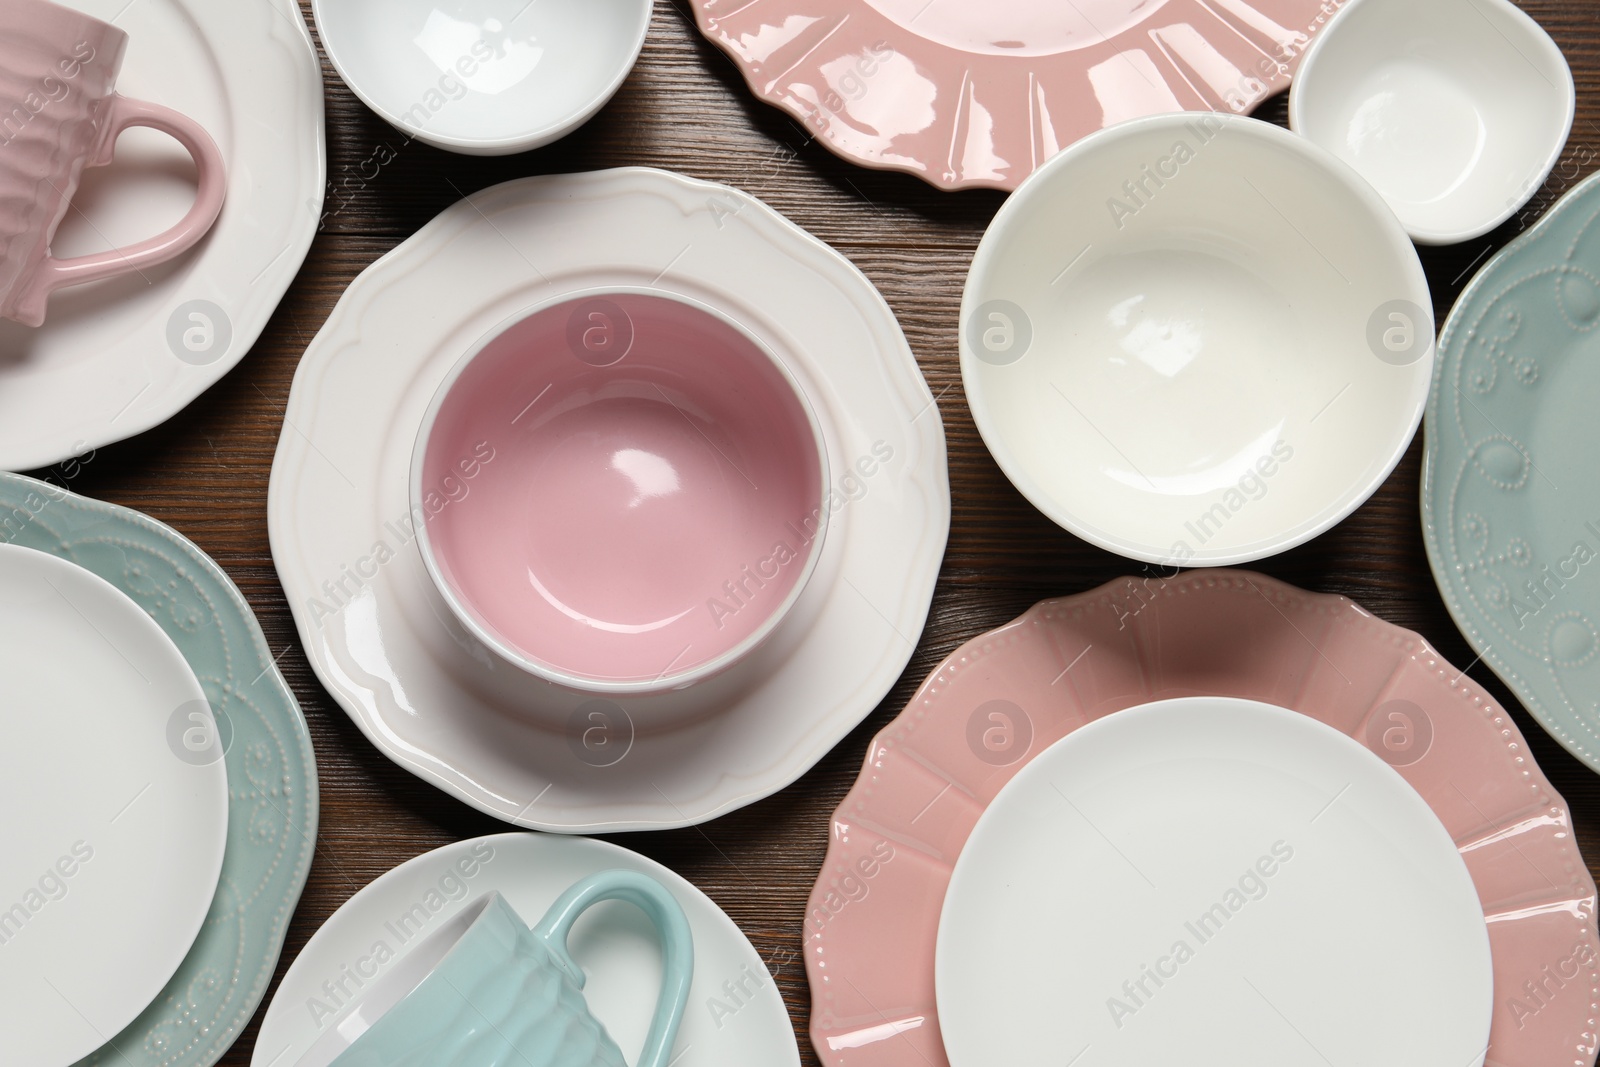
(1196,339)
(1455,110)
(486,77)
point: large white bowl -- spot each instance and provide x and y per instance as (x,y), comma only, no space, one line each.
(485,77)
(1196,339)
(1455,111)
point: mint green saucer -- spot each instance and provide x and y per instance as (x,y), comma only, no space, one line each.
(1511,487)
(272,774)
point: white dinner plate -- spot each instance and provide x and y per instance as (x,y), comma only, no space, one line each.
(118,357)
(432,697)
(735,1016)
(115,804)
(1212,881)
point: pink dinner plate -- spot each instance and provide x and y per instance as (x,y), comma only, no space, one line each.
(967,94)
(1001,699)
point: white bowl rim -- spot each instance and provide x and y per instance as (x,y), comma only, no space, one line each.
(509,144)
(994,435)
(1556,61)
(539,668)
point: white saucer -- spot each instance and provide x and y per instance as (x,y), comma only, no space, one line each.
(116,806)
(483,77)
(1212,881)
(433,698)
(118,357)
(1455,110)
(735,1016)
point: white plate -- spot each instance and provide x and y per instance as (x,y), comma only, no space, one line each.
(735,1016)
(116,809)
(434,699)
(484,77)
(1196,340)
(1455,110)
(1212,881)
(118,357)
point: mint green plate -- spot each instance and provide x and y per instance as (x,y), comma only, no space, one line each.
(272,774)
(1511,474)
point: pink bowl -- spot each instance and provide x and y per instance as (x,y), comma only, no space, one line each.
(620,491)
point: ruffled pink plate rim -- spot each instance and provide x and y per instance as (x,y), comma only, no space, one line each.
(873,916)
(883,96)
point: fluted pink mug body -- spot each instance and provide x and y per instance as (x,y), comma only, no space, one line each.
(60,113)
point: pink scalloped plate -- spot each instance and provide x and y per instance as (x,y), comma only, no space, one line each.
(997,701)
(976,95)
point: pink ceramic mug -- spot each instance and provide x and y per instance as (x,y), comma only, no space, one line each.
(58,115)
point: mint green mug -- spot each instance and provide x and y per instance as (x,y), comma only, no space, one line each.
(486,990)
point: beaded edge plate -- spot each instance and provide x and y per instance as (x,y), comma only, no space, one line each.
(1511,548)
(272,775)
(873,916)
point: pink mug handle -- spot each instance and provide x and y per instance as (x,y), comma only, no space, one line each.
(125,112)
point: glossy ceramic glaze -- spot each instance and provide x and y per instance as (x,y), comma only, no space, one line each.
(57,68)
(1196,339)
(1223,875)
(120,356)
(483,77)
(1456,112)
(1002,698)
(272,780)
(1511,510)
(622,491)
(436,700)
(119,802)
(965,94)
(485,988)
(735,1015)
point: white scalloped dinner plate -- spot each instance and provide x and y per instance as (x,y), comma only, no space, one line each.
(434,699)
(118,357)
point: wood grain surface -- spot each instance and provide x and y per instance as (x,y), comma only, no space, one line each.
(686,108)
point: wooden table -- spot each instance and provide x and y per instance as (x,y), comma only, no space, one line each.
(686,108)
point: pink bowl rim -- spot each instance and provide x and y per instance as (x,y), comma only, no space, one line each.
(520,658)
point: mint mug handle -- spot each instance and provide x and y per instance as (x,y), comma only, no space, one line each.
(677,946)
